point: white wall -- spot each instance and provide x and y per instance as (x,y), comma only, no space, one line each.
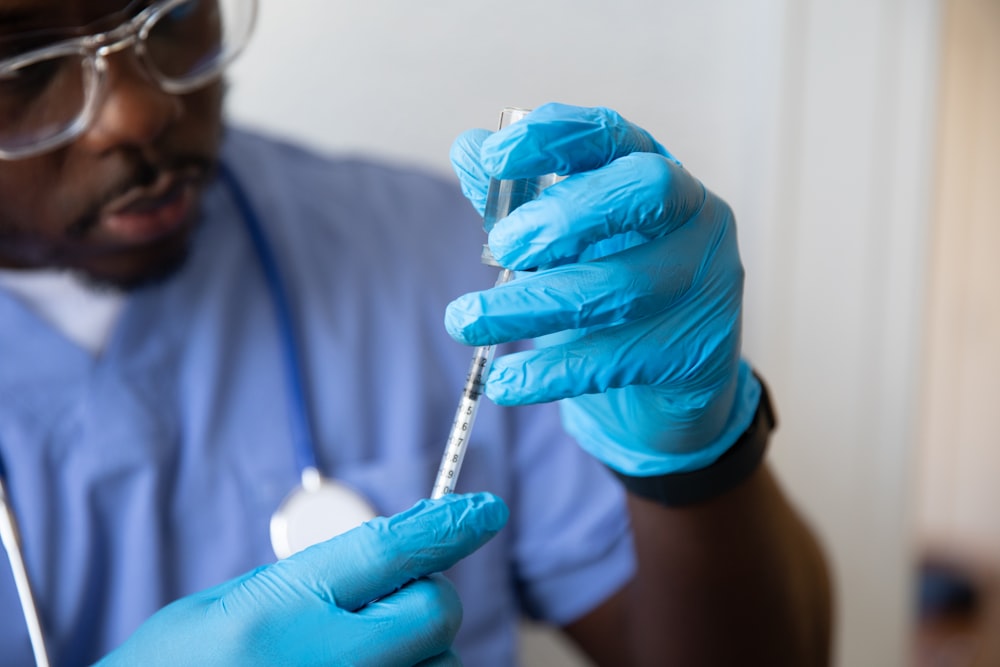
(812,118)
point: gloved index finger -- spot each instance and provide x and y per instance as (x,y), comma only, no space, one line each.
(378,557)
(564,139)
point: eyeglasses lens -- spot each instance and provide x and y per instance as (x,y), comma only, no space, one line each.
(41,99)
(187,46)
(195,40)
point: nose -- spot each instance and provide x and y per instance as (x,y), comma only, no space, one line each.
(134,112)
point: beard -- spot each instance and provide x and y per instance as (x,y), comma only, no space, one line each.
(105,265)
(156,274)
(166,264)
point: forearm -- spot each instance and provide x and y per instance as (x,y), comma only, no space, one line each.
(735,580)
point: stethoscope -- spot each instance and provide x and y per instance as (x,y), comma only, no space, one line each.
(317,509)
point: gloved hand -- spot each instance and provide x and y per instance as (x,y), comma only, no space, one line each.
(310,609)
(637,299)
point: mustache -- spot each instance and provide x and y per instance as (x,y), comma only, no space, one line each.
(197,168)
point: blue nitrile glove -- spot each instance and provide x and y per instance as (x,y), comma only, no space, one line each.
(367,597)
(638,297)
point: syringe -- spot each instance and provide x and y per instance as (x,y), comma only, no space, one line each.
(502,197)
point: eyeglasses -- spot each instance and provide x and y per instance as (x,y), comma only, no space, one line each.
(50,95)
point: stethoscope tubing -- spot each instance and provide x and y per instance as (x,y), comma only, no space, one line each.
(15,556)
(301,427)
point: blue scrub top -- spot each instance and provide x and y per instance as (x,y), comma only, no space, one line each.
(152,471)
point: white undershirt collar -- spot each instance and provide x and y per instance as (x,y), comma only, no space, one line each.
(82,312)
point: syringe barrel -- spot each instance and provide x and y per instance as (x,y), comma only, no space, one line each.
(504,196)
(461,427)
(465,414)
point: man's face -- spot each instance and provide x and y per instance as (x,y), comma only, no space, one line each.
(119,203)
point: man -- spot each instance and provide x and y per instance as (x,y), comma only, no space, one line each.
(145,450)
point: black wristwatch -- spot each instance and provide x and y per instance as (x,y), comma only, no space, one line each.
(736,465)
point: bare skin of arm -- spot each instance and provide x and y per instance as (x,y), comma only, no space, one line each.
(738,580)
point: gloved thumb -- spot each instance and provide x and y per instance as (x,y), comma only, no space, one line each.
(467,165)
(381,555)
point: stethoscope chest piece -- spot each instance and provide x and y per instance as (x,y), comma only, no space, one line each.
(315,511)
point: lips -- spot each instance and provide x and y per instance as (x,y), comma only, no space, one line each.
(149,213)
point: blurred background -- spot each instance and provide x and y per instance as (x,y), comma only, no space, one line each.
(857,141)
